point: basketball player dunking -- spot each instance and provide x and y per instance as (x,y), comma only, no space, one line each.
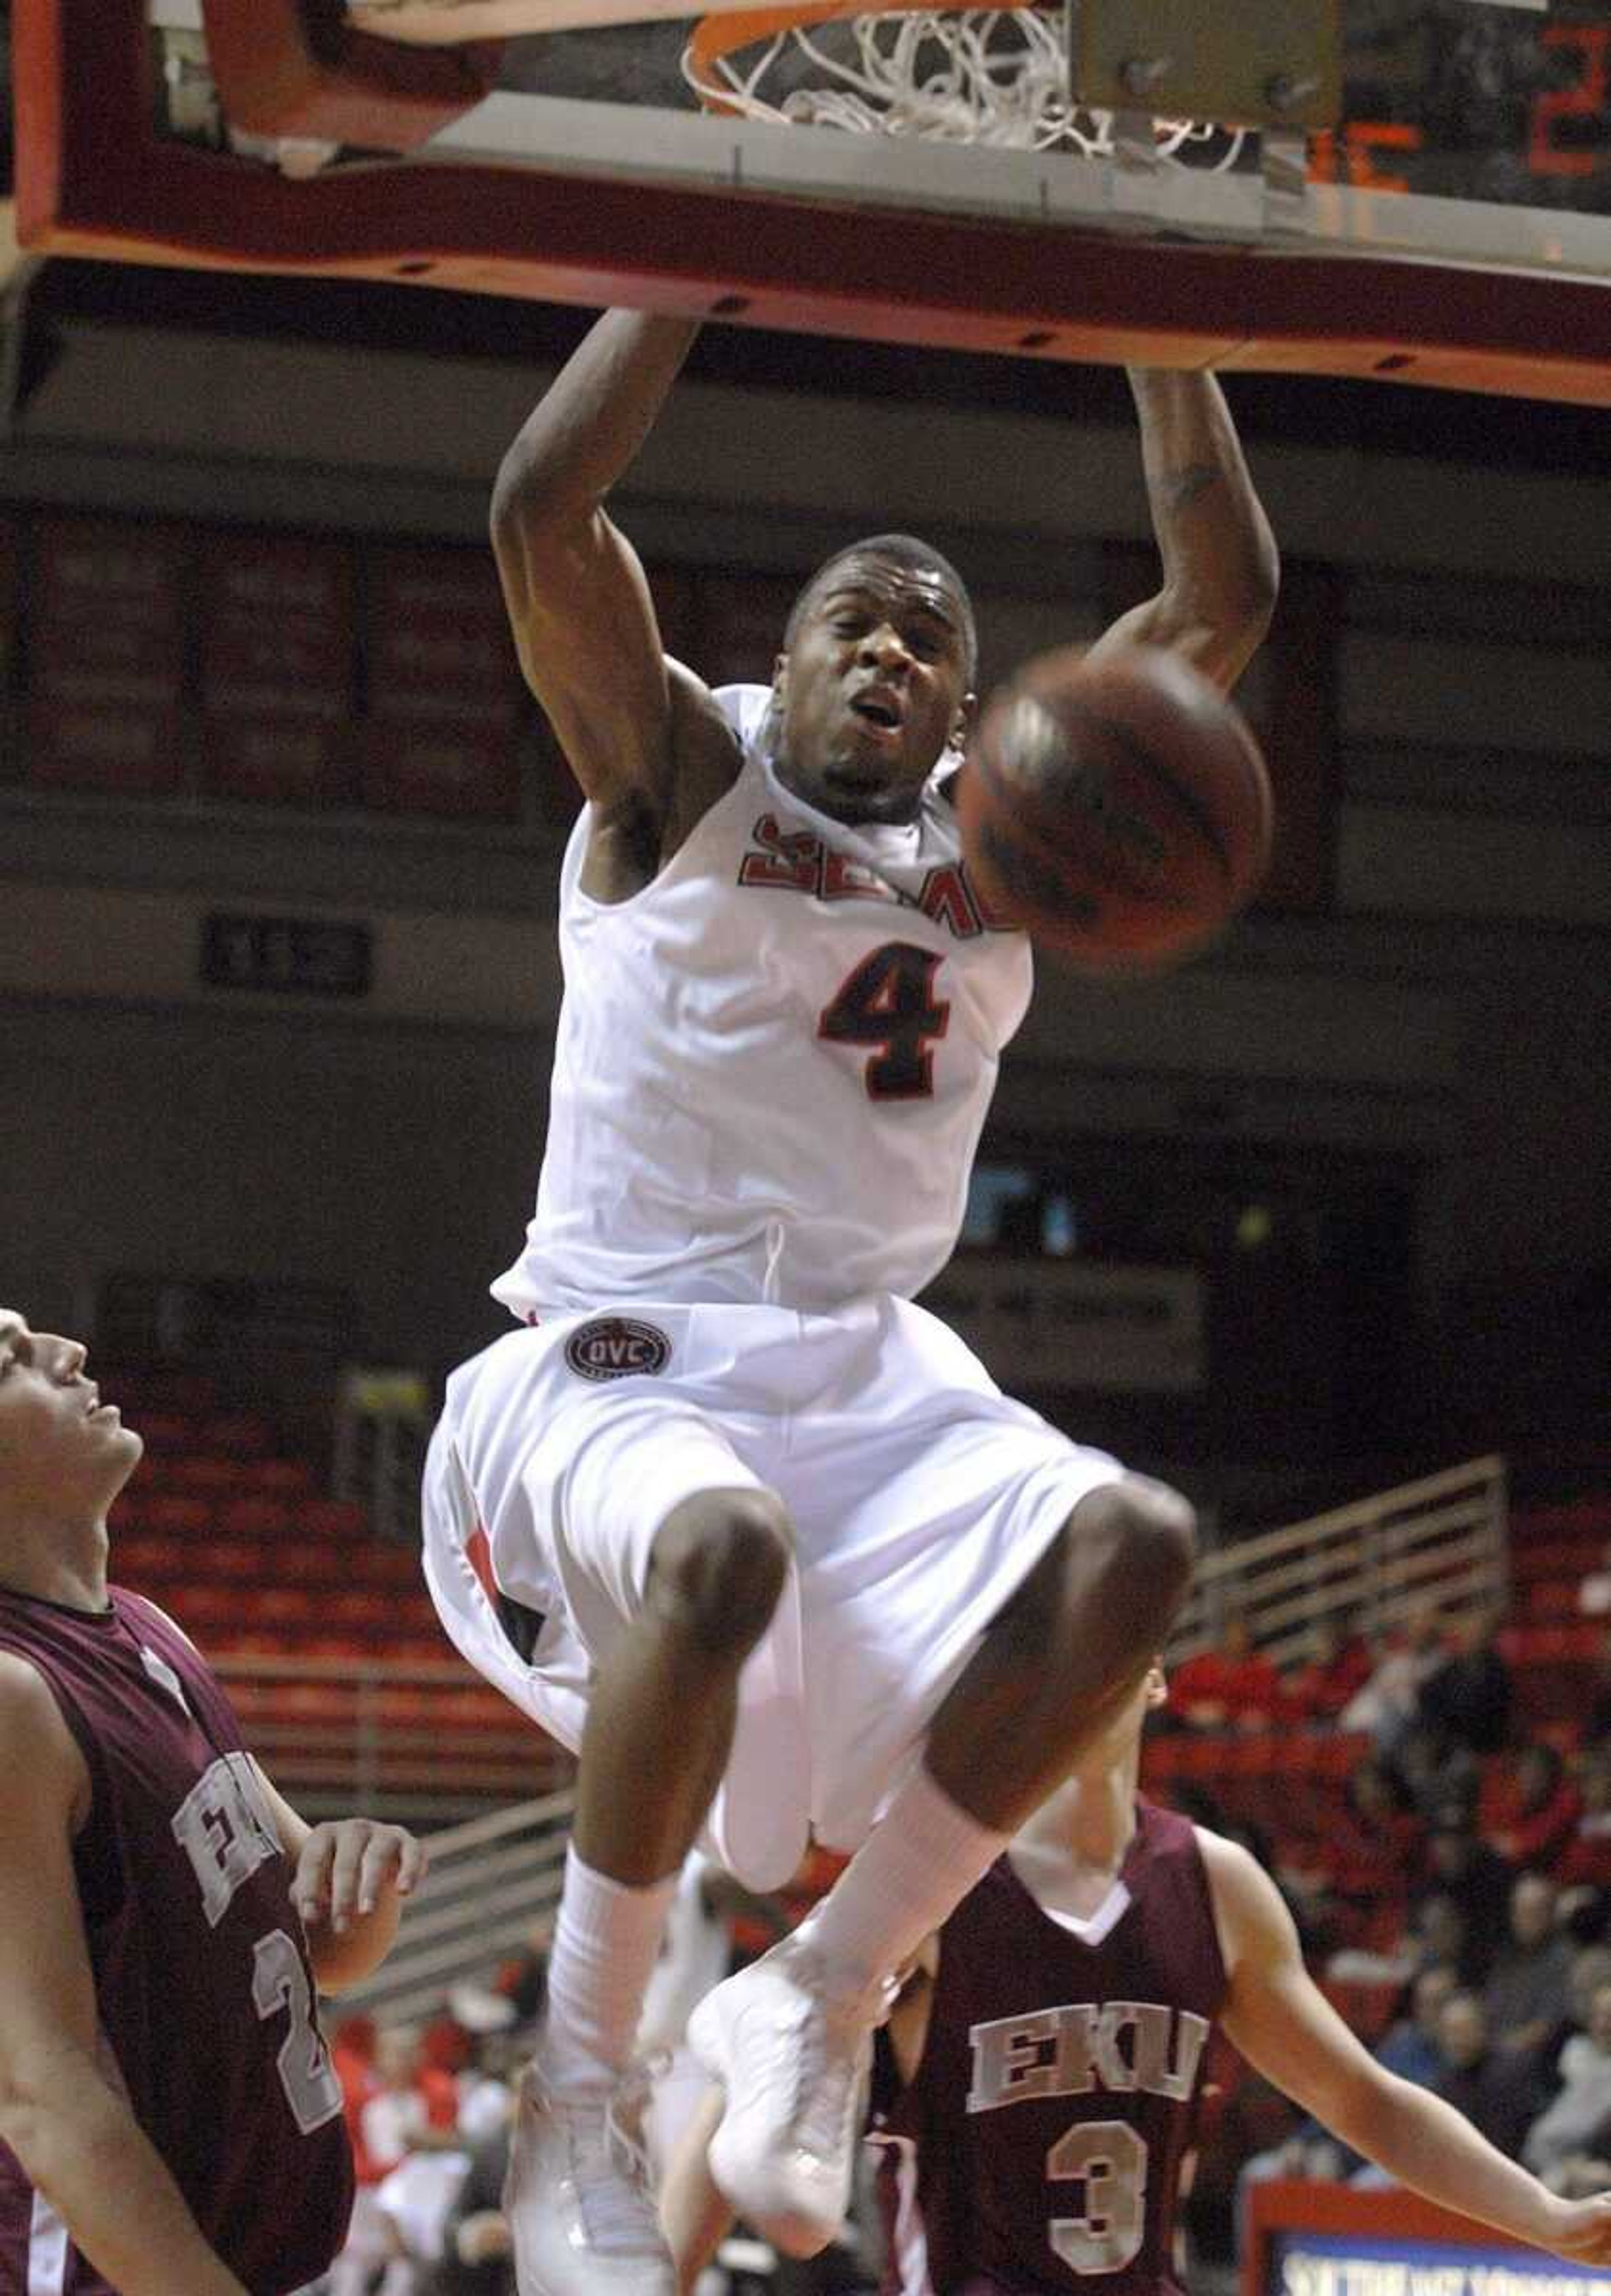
(730,1515)
(1036,2085)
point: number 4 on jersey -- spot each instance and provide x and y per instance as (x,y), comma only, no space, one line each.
(889,1005)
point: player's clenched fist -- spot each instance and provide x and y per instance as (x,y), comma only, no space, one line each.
(348,1865)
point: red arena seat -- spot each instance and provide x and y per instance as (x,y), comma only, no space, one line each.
(291,1478)
(280,1606)
(254,1514)
(149,1556)
(204,1471)
(379,1564)
(182,1513)
(242,1434)
(306,1561)
(331,1518)
(160,1432)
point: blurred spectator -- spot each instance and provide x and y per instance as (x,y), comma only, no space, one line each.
(486,2085)
(1460,1864)
(1596,1720)
(367,2246)
(1581,2107)
(1547,1809)
(467,2112)
(352,2054)
(1385,1705)
(1586,1861)
(1435,1774)
(445,2051)
(1336,1666)
(1594,1595)
(1528,1996)
(1371,1851)
(1493,2088)
(408,2111)
(415,2201)
(1591,1969)
(1467,1699)
(1410,2046)
(479,2009)
(1234,1687)
(396,2115)
(1441,1937)
(477,2257)
(524,1982)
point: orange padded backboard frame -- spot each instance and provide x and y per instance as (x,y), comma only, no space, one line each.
(94,178)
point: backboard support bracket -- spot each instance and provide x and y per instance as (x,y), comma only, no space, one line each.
(1263,63)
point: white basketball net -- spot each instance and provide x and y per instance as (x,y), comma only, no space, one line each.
(996,76)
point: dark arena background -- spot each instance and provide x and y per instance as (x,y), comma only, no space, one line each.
(1317,1228)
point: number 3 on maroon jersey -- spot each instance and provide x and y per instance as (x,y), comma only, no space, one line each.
(888,1003)
(1110,2159)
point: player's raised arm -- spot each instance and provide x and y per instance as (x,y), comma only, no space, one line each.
(1220,565)
(579,605)
(78,2143)
(1279,2019)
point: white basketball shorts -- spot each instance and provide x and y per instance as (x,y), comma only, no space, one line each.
(920,1498)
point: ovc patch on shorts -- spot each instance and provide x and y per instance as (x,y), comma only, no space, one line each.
(616,1346)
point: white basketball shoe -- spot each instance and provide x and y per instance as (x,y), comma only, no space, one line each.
(579,2197)
(793,2053)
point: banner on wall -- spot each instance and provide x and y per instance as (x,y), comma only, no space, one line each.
(1332,2264)
(106,653)
(444,695)
(1057,1324)
(1330,2239)
(278,648)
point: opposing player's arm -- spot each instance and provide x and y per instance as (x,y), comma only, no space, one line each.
(1220,565)
(694,2214)
(1279,2019)
(79,2144)
(579,603)
(349,1876)
(908,2025)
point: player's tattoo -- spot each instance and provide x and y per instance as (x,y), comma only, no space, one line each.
(1186,486)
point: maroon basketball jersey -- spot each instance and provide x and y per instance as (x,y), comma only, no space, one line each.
(204,1989)
(1039,2146)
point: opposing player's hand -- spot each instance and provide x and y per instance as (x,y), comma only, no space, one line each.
(348,1865)
(1584,2230)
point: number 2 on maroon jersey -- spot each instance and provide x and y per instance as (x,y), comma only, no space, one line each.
(1110,2159)
(308,2079)
(888,1003)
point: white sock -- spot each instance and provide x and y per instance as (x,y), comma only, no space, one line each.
(606,1944)
(914,1868)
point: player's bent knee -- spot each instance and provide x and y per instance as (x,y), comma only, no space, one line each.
(719,1565)
(1142,1531)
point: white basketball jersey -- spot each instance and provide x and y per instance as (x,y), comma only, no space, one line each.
(774,1062)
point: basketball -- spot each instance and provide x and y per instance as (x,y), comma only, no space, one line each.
(1118,810)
